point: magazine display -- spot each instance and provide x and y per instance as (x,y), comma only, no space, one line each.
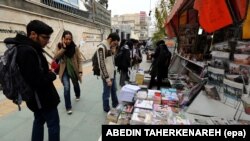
(220,60)
(246,103)
(236,66)
(215,75)
(212,92)
(144,104)
(233,89)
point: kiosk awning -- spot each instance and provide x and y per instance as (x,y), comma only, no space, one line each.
(172,21)
(175,9)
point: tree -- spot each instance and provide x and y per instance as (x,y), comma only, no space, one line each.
(161,13)
(170,5)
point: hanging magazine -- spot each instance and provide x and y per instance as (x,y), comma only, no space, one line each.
(232,89)
(215,75)
(220,60)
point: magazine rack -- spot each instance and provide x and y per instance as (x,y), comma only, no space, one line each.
(187,69)
(246,103)
(215,77)
(193,68)
(245,99)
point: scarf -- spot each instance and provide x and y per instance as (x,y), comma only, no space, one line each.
(70,69)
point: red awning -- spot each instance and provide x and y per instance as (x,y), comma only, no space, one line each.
(171,24)
(213,14)
(240,8)
(175,9)
(170,30)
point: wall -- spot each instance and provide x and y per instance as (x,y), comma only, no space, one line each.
(14,20)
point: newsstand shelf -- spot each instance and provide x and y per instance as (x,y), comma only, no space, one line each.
(203,105)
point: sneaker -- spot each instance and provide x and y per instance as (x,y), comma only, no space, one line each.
(69,112)
(77,98)
(106,110)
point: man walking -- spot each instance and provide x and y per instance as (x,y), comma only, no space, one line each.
(105,55)
(35,71)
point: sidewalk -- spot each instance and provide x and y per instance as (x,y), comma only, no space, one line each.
(84,124)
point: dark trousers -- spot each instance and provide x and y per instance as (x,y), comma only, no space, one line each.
(153,82)
(106,94)
(51,117)
(123,77)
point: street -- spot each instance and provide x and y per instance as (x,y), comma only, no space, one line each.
(84,124)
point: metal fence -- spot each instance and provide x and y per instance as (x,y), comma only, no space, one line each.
(66,7)
(101,15)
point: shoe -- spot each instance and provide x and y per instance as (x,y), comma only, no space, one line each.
(77,98)
(115,105)
(106,110)
(69,112)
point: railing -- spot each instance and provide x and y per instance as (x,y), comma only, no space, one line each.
(65,7)
(101,15)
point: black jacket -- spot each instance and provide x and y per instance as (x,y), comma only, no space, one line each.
(125,59)
(161,62)
(36,74)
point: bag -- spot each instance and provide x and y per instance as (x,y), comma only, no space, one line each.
(55,66)
(14,86)
(95,63)
(132,75)
(137,59)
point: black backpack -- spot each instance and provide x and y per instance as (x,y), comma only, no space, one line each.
(13,84)
(95,63)
(118,58)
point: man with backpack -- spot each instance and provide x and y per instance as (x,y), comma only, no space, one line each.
(123,60)
(136,55)
(34,69)
(105,55)
(160,64)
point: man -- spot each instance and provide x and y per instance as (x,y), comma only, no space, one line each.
(35,71)
(124,63)
(105,55)
(136,55)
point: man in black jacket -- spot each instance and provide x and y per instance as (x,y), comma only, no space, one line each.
(35,71)
(124,62)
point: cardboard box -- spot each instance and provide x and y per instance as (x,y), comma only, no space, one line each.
(139,78)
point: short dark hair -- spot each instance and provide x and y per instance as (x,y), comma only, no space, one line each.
(134,41)
(130,44)
(66,32)
(39,27)
(114,37)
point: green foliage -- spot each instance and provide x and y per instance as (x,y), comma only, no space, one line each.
(160,16)
(171,4)
(161,13)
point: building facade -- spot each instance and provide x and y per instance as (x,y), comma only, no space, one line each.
(133,25)
(89,27)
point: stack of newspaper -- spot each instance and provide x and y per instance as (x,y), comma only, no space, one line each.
(141,117)
(127,93)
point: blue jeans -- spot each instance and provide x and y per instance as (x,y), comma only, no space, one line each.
(53,123)
(66,84)
(106,94)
